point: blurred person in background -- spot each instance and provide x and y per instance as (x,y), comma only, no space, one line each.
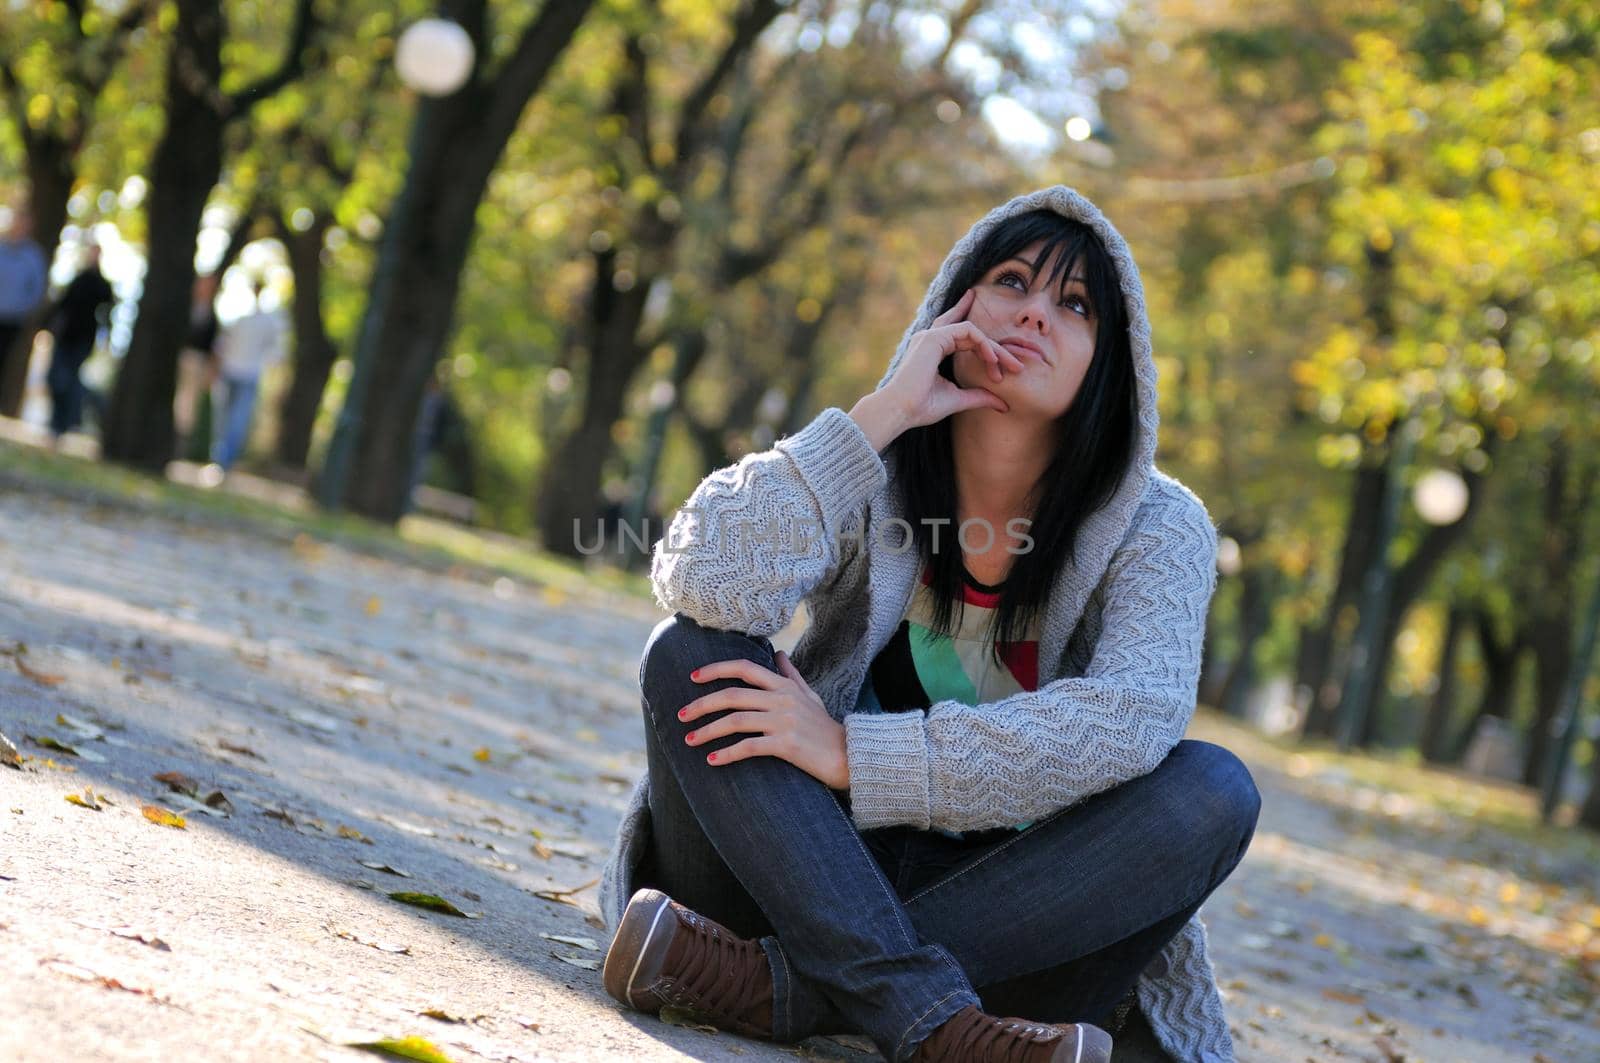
(75,321)
(245,349)
(23,273)
(197,362)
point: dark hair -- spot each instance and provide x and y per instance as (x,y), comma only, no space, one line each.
(1094,438)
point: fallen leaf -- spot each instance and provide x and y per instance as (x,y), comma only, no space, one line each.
(481,755)
(190,804)
(61,747)
(84,728)
(143,939)
(403,1048)
(374,605)
(401,950)
(582,943)
(353,834)
(431,901)
(177,782)
(317,720)
(216,799)
(157,814)
(578,961)
(232,747)
(440,1015)
(1391,1054)
(1344,997)
(8,753)
(525,1022)
(563,896)
(86,801)
(385,868)
(44,679)
(83,974)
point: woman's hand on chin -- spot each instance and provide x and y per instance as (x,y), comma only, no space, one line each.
(782,714)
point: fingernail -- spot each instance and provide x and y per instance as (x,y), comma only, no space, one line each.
(711,757)
(683,714)
(695,674)
(689,737)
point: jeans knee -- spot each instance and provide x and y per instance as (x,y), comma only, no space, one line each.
(679,644)
(1231,800)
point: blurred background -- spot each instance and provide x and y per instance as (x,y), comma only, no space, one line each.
(518,265)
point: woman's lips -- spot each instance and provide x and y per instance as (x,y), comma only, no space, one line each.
(1022,350)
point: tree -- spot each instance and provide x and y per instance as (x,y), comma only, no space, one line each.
(456,143)
(185,167)
(55,64)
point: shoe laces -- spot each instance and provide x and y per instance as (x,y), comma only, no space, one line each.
(718,972)
(976,1035)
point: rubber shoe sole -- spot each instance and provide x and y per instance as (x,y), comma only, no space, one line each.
(1093,1046)
(638,949)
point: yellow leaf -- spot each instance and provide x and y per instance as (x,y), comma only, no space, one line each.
(1477,916)
(374,605)
(157,814)
(1322,941)
(481,755)
(1509,892)
(86,801)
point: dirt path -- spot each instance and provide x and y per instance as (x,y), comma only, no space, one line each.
(480,735)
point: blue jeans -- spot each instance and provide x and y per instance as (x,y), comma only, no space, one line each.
(66,385)
(889,932)
(233,415)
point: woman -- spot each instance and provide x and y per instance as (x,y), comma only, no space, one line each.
(937,813)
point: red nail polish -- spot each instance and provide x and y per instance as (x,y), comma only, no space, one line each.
(695,674)
(689,737)
(711,757)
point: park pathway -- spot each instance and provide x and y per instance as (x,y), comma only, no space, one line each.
(361,713)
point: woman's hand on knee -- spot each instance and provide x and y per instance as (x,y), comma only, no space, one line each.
(783,715)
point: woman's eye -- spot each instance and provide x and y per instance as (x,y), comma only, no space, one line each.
(1078,301)
(1011,274)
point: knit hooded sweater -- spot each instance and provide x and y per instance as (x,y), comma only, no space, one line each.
(1118,654)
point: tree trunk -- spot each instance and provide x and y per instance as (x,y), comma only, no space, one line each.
(569,486)
(186,165)
(314,352)
(1255,613)
(456,142)
(1589,815)
(1315,670)
(1554,611)
(1436,727)
(1500,664)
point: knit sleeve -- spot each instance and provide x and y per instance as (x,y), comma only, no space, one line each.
(1180,1000)
(755,538)
(971,767)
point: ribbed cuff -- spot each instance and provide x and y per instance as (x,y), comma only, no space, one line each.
(888,756)
(839,464)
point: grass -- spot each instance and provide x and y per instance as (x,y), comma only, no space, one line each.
(1494,803)
(419,540)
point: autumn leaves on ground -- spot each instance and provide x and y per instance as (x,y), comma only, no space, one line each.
(277,796)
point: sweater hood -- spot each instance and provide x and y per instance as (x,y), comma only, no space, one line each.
(1105,529)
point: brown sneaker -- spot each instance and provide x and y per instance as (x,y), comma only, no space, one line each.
(666,954)
(974,1036)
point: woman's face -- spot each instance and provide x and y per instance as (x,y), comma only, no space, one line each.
(1011,303)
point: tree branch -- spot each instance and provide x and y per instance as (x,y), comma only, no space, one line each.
(19,108)
(541,44)
(306,24)
(696,109)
